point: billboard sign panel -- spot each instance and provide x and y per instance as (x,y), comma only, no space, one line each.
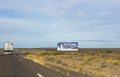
(67,46)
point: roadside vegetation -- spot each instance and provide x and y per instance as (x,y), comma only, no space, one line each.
(93,62)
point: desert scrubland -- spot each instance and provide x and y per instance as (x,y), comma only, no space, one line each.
(93,62)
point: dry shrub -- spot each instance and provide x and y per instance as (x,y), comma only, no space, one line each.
(94,62)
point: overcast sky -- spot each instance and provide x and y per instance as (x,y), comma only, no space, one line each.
(43,23)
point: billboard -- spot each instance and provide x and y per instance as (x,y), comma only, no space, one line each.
(67,46)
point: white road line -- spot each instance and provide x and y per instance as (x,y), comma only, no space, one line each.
(39,75)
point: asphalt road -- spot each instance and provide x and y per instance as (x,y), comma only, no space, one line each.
(17,66)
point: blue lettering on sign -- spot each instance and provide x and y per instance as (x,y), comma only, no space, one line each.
(67,45)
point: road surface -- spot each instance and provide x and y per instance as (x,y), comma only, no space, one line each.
(17,66)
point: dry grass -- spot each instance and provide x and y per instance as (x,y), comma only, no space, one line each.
(94,62)
(1,49)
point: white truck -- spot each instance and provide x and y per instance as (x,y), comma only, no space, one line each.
(8,48)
